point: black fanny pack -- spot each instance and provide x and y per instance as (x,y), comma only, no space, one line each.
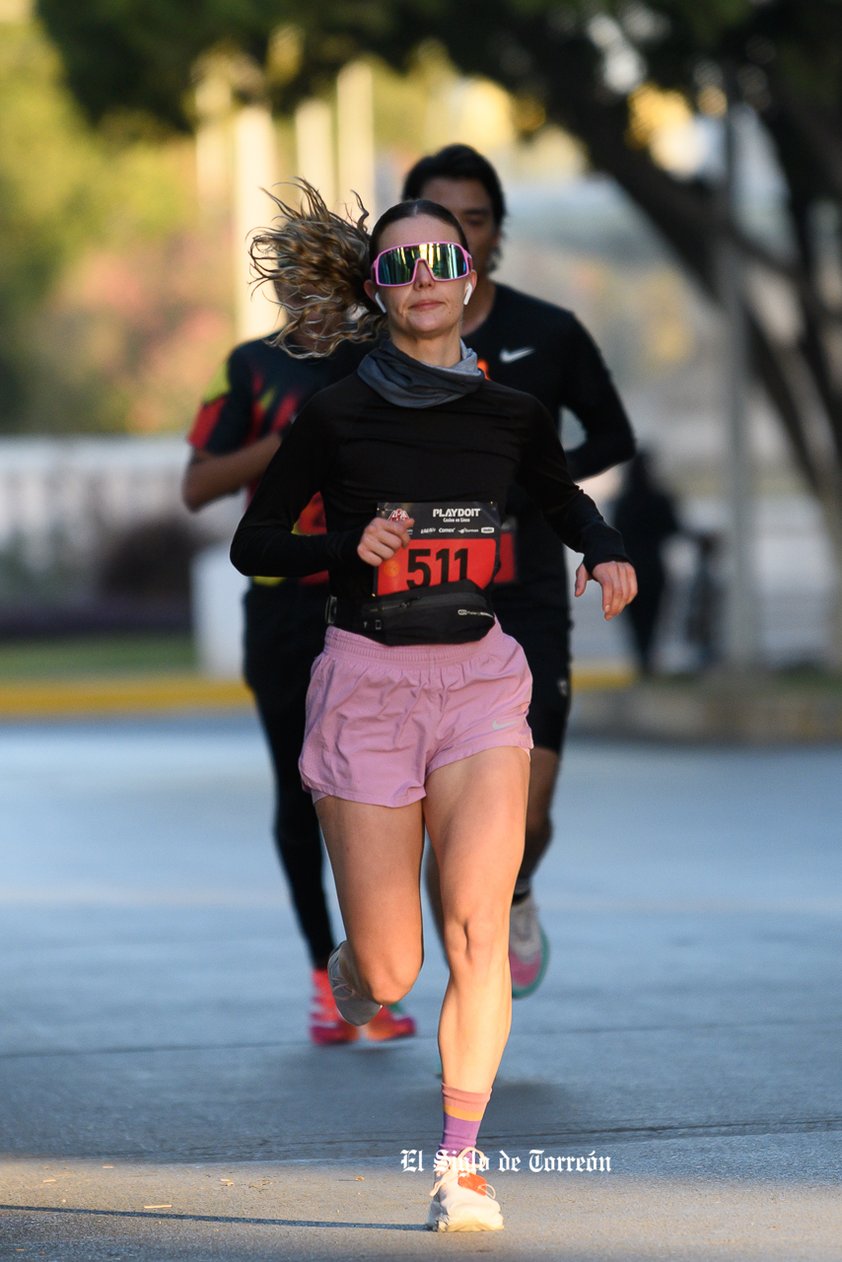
(449,613)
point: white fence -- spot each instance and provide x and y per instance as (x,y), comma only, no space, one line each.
(61,498)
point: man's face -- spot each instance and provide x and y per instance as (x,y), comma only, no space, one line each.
(470,203)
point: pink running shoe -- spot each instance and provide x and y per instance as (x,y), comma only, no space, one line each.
(391,1022)
(529,950)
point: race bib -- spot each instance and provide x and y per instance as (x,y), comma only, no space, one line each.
(451,543)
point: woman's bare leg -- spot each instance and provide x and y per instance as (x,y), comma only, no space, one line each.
(475,812)
(375,853)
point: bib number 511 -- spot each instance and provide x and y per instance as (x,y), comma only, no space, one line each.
(426,567)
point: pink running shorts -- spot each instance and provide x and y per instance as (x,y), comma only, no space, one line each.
(380,718)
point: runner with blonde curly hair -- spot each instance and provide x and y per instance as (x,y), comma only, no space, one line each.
(416,710)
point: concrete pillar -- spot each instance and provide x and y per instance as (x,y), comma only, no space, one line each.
(255,169)
(355,135)
(213,159)
(314,147)
(217,591)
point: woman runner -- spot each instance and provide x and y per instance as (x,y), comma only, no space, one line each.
(416,711)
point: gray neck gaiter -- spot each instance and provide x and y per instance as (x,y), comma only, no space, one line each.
(408,383)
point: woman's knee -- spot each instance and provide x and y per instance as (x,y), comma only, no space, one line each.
(475,940)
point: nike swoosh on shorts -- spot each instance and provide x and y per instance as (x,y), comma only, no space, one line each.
(509,357)
(496,726)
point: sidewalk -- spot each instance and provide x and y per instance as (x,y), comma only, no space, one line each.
(160,1100)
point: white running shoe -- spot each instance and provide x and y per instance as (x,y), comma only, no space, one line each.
(529,949)
(462,1200)
(353,1008)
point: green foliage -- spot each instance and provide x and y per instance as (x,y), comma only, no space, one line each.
(708,24)
(47,164)
(46,207)
(139,54)
(91,287)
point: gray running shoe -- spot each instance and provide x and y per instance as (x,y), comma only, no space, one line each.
(353,1008)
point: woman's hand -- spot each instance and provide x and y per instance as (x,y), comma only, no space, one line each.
(618,582)
(382,538)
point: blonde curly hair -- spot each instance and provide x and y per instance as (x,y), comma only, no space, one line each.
(317,263)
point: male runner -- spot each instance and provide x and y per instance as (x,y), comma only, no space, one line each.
(542,349)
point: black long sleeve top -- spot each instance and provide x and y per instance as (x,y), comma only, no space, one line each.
(359,450)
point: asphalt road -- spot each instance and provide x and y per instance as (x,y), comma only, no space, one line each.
(159,1099)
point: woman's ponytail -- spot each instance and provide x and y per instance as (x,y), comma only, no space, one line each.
(317,263)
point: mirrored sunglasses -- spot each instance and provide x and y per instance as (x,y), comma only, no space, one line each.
(447,260)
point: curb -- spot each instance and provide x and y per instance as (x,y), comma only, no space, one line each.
(149,694)
(749,713)
(121,695)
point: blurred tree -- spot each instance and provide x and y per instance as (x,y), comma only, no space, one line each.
(590,68)
(46,206)
(138,56)
(104,286)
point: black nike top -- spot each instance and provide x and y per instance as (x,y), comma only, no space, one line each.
(534,346)
(360,450)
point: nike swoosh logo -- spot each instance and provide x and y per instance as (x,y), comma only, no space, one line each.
(511,357)
(509,723)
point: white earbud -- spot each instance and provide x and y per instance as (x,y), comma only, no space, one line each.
(381,304)
(469,289)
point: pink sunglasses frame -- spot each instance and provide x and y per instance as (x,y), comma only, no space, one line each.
(410,245)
